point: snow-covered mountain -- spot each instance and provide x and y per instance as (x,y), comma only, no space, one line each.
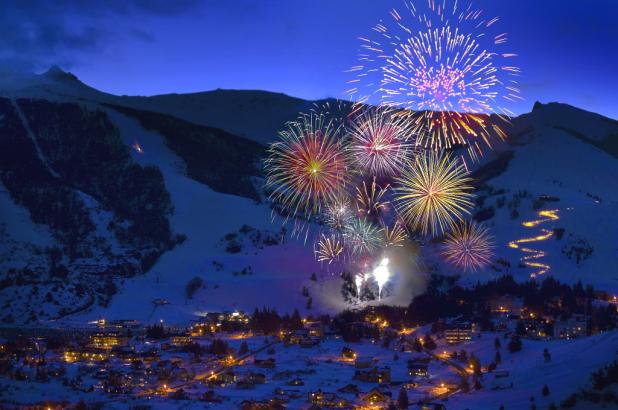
(202,151)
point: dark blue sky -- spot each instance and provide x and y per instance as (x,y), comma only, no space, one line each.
(568,49)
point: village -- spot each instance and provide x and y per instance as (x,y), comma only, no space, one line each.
(363,359)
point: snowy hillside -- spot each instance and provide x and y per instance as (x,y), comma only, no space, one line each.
(560,159)
(551,169)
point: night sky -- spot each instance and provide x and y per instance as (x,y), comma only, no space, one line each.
(568,49)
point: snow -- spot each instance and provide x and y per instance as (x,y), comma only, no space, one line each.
(205,217)
(572,362)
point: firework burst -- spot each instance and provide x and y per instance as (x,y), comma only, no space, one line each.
(370,199)
(433,193)
(380,140)
(329,248)
(469,246)
(308,166)
(446,65)
(362,237)
(338,212)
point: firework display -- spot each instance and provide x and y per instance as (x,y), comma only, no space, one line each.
(469,246)
(446,65)
(371,178)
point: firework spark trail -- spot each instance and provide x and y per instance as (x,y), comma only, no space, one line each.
(469,246)
(370,201)
(329,248)
(307,166)
(444,65)
(394,236)
(531,255)
(433,193)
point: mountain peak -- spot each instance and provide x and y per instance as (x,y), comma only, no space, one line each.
(58,74)
(537,105)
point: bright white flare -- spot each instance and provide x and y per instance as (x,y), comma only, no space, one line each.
(381,275)
(358,281)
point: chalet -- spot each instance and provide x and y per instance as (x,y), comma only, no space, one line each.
(363,362)
(264,363)
(180,340)
(458,332)
(85,355)
(375,375)
(126,353)
(315,329)
(348,354)
(433,406)
(107,340)
(256,378)
(211,397)
(349,389)
(261,405)
(296,382)
(225,378)
(327,400)
(297,336)
(148,356)
(309,342)
(418,368)
(534,327)
(245,384)
(506,305)
(570,328)
(375,396)
(120,325)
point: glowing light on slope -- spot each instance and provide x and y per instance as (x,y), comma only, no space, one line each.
(530,259)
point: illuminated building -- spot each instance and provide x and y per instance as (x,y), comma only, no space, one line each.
(576,326)
(506,305)
(85,355)
(375,375)
(327,400)
(107,340)
(348,354)
(458,333)
(375,396)
(419,367)
(181,340)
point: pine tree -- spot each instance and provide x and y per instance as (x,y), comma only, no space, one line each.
(515,344)
(402,399)
(429,344)
(546,355)
(243,349)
